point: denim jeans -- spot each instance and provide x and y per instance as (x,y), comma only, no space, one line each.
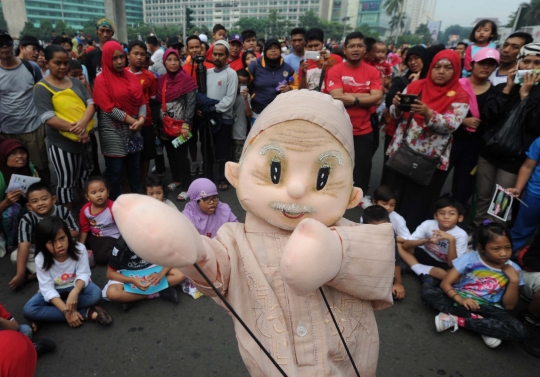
(26,330)
(115,167)
(38,310)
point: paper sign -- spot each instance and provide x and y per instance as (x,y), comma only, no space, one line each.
(144,274)
(501,204)
(21,182)
(180,140)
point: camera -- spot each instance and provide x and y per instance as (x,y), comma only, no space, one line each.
(199,59)
(312,55)
(406,101)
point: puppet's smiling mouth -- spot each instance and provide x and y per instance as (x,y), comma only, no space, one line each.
(292,216)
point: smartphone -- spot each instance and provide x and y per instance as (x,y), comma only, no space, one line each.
(312,55)
(406,101)
(243,87)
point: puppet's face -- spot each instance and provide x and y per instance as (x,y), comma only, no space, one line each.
(292,171)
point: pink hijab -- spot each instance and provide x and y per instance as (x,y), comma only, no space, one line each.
(207,225)
(473,103)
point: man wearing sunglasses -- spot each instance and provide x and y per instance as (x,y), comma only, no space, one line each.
(19,118)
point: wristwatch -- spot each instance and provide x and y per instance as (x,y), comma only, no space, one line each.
(64,311)
(356,102)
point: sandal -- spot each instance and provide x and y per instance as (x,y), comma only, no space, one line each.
(102,317)
(172,186)
(223,186)
(182,197)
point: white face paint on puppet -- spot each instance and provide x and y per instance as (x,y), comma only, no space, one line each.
(292,171)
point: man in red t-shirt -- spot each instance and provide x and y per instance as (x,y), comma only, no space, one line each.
(236,44)
(137,57)
(359,87)
(193,47)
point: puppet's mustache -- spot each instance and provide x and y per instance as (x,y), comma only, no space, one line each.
(292,208)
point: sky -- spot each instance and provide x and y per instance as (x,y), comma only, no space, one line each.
(464,12)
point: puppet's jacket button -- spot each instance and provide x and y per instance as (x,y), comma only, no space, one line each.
(301,330)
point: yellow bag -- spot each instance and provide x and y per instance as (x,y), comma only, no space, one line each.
(69,107)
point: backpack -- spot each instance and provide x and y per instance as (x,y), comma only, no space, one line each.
(30,69)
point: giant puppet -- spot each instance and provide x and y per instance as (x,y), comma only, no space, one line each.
(294,180)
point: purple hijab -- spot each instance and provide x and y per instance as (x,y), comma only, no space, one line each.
(207,225)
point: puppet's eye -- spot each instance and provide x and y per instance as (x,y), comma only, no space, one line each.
(322,177)
(275,171)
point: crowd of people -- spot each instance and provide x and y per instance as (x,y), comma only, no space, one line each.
(471,111)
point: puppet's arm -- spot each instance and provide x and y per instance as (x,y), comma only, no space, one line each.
(162,235)
(358,260)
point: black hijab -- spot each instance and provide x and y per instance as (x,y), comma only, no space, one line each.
(419,51)
(430,54)
(273,64)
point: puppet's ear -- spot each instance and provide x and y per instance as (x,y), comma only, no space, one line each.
(356,197)
(231,173)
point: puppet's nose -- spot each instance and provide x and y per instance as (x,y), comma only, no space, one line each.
(296,189)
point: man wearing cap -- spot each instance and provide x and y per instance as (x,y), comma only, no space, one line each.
(19,118)
(157,55)
(105,32)
(174,42)
(222,85)
(236,43)
(28,48)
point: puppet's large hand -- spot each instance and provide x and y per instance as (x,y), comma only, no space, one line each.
(157,232)
(312,257)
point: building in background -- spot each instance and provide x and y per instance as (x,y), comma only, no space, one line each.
(73,12)
(358,12)
(418,12)
(227,12)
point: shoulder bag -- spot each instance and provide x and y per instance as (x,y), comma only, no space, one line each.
(171,127)
(414,165)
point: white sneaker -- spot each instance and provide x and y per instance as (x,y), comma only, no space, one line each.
(491,342)
(444,321)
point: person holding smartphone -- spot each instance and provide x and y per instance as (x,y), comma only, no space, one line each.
(434,116)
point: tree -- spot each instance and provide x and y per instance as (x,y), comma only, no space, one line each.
(463,32)
(3,23)
(394,8)
(259,25)
(45,29)
(423,32)
(334,30)
(309,20)
(397,23)
(29,29)
(276,23)
(368,31)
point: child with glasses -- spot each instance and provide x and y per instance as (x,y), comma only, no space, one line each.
(204,209)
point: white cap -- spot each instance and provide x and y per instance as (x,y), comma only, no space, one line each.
(203,37)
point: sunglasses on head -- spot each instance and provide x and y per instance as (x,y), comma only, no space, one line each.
(6,43)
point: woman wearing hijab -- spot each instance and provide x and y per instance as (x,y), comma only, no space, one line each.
(415,59)
(441,110)
(122,112)
(179,92)
(13,160)
(204,209)
(270,76)
(494,166)
(467,140)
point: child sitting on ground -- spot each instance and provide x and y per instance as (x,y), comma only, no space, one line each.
(98,229)
(66,293)
(436,243)
(480,288)
(204,209)
(156,189)
(123,258)
(41,204)
(376,215)
(386,197)
(8,322)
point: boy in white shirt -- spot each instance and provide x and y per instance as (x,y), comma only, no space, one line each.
(386,197)
(436,243)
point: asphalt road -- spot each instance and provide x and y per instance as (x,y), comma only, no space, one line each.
(196,337)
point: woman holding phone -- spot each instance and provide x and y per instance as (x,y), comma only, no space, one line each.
(438,111)
(495,167)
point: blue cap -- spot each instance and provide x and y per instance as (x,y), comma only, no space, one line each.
(237,38)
